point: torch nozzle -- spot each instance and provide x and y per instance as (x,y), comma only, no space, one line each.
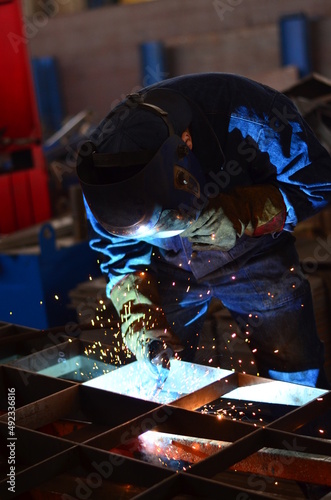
(160,354)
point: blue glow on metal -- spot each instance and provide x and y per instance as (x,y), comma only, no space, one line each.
(276,392)
(79,368)
(184,378)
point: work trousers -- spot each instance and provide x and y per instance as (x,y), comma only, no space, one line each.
(267,295)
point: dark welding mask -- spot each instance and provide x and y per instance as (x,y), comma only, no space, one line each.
(146,192)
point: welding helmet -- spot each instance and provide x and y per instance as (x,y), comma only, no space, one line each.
(137,175)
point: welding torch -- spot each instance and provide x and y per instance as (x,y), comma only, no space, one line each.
(158,360)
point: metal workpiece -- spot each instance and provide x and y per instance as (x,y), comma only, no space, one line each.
(89,424)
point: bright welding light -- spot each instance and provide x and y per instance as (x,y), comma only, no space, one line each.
(133,380)
(145,232)
(168,234)
(185,378)
(282,392)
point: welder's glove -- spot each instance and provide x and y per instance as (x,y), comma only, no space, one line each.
(144,327)
(253,210)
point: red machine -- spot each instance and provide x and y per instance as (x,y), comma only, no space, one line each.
(24,193)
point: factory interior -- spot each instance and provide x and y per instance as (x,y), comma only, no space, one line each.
(80,418)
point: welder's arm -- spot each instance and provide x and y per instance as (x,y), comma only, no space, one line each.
(143,323)
(253,210)
(134,293)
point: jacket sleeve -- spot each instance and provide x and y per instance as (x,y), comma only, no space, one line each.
(303,165)
(120,256)
(132,287)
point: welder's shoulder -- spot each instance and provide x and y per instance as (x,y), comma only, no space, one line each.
(218,91)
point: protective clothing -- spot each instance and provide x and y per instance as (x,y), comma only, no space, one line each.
(161,183)
(154,194)
(244,135)
(143,322)
(253,210)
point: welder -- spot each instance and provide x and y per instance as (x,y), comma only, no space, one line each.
(193,187)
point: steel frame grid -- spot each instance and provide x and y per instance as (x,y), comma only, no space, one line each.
(7,330)
(43,387)
(261,438)
(63,348)
(69,462)
(184,487)
(73,402)
(173,420)
(16,343)
(290,419)
(32,447)
(47,399)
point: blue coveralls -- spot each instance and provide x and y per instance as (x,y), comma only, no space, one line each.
(264,141)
